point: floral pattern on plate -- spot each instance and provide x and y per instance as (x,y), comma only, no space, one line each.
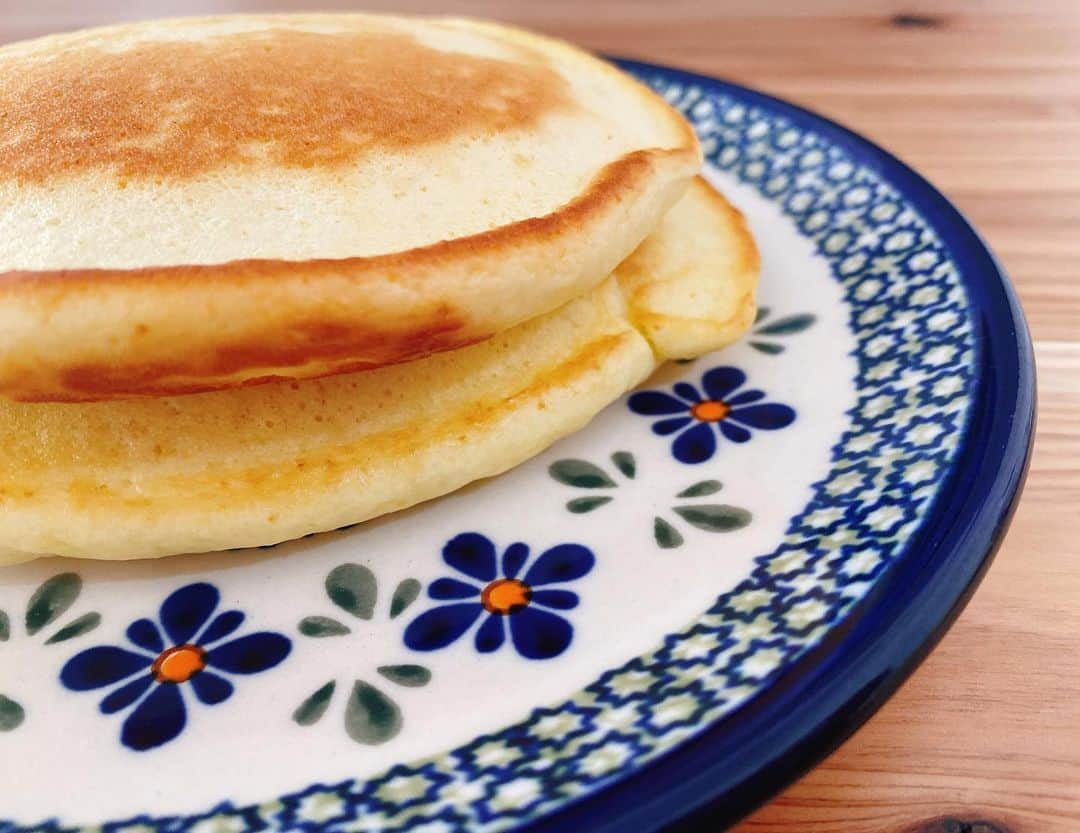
(696,418)
(491,591)
(185,648)
(48,603)
(710,517)
(371,716)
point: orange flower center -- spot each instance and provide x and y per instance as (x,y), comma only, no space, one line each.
(505,596)
(710,410)
(179,664)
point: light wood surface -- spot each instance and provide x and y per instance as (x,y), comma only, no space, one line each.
(983,97)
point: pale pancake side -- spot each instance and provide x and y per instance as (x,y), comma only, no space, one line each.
(682,309)
(195,204)
(254,466)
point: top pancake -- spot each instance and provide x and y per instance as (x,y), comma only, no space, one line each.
(195,204)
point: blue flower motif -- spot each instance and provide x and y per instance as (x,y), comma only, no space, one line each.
(537,633)
(731,411)
(152,675)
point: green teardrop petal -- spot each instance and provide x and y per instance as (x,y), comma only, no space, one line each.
(11,714)
(354,589)
(767,347)
(581,505)
(667,537)
(625,462)
(5,627)
(314,707)
(762,314)
(404,595)
(788,326)
(320,626)
(371,717)
(84,624)
(412,676)
(51,600)
(581,474)
(715,517)
(700,489)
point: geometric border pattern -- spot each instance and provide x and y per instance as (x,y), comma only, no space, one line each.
(915,352)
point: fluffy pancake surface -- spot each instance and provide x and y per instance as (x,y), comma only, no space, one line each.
(196,204)
(151,477)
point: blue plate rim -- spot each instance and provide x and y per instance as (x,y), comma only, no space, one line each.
(741,761)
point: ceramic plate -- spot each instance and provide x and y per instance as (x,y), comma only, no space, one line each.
(674,611)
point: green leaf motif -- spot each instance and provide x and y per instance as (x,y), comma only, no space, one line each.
(411,676)
(624,461)
(715,517)
(667,537)
(354,589)
(762,314)
(371,717)
(5,627)
(84,624)
(581,505)
(320,626)
(580,473)
(11,714)
(788,326)
(404,595)
(313,708)
(51,601)
(767,348)
(700,489)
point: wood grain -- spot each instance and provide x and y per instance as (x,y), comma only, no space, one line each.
(983,97)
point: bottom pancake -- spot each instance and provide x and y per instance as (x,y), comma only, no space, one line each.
(153,477)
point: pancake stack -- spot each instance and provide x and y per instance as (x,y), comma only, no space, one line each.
(268,276)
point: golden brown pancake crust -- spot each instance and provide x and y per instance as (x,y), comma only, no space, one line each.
(177,109)
(315,346)
(200,99)
(332,344)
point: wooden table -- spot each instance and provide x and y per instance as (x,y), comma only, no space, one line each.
(983,97)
